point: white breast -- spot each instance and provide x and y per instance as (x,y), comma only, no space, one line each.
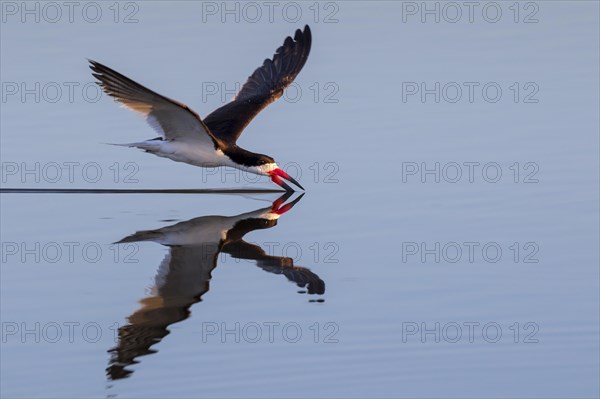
(194,154)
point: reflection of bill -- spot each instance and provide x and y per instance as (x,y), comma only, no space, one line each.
(184,274)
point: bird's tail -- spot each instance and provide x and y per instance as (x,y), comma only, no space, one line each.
(145,235)
(149,145)
(123,144)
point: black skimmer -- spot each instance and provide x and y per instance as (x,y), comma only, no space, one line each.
(184,275)
(212,142)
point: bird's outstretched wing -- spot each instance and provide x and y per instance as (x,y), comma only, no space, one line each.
(263,87)
(171,119)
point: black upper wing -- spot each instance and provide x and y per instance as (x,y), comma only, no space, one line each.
(263,87)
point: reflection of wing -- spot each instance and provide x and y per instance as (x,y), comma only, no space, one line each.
(183,277)
(262,88)
(302,276)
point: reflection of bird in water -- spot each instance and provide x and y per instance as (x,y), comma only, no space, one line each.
(184,274)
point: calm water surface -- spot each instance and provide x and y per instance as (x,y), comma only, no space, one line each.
(445,247)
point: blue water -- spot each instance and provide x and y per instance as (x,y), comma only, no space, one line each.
(457,239)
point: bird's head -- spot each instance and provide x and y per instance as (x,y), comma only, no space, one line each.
(261,164)
(267,166)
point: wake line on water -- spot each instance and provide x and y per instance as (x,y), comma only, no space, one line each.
(137,191)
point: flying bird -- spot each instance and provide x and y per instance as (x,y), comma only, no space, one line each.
(185,137)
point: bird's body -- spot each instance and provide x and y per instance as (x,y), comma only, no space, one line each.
(211,142)
(181,151)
